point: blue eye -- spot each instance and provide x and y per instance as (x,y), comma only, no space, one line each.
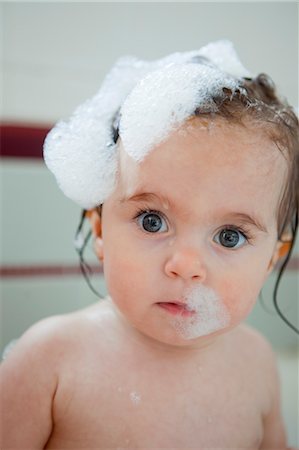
(152,222)
(230,238)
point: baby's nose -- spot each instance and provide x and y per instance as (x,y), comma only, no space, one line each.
(186,263)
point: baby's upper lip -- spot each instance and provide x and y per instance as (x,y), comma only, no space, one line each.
(180,304)
(174,302)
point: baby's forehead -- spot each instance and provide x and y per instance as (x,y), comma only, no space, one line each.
(213,136)
(202,148)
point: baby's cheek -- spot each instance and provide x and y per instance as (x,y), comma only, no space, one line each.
(122,280)
(238,311)
(239,302)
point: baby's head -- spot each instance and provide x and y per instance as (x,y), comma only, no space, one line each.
(195,164)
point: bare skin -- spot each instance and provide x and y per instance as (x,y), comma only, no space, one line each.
(119,374)
(106,386)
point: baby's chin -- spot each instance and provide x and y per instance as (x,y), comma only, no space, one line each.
(171,338)
(164,326)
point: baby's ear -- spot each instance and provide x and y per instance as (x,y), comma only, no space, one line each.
(281,250)
(94,216)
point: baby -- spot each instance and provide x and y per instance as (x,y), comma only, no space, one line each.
(186,168)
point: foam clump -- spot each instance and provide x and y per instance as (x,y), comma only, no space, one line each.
(154,97)
(135,398)
(81,152)
(165,99)
(210,314)
(224,56)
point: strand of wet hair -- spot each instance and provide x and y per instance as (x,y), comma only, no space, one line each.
(84,267)
(280,274)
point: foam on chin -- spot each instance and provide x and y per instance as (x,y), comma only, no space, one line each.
(210,313)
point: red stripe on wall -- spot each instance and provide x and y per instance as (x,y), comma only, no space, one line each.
(39,271)
(22,141)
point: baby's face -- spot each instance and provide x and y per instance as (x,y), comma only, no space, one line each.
(189,233)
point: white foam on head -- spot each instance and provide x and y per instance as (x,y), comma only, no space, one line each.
(163,93)
(81,152)
(165,99)
(210,314)
(224,56)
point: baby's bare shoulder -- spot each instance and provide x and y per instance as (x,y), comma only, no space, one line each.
(256,362)
(42,337)
(46,344)
(256,356)
(252,347)
(252,341)
(32,373)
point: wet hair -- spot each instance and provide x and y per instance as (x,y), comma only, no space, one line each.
(259,102)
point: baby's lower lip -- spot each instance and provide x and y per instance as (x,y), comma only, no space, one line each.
(176,308)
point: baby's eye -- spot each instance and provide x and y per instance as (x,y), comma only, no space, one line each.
(230,238)
(152,222)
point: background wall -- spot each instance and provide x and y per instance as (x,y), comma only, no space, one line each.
(54,56)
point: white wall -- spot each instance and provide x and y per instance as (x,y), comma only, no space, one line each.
(56,54)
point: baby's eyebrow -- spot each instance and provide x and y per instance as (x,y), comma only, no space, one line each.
(247,219)
(146,197)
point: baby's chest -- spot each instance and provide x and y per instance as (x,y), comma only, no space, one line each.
(150,414)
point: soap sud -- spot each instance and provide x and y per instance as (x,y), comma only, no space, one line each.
(9,347)
(81,152)
(79,241)
(164,99)
(210,314)
(135,398)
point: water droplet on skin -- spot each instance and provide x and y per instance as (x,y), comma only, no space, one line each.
(210,420)
(135,398)
(119,389)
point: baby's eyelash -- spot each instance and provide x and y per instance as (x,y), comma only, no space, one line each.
(141,211)
(241,229)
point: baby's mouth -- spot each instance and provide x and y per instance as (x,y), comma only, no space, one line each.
(177,308)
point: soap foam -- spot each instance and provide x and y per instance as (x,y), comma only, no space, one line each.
(165,99)
(135,398)
(81,152)
(210,313)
